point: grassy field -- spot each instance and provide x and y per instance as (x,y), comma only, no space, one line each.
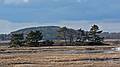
(60,56)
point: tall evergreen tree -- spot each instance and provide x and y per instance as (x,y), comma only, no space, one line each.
(94,34)
(17,40)
(33,38)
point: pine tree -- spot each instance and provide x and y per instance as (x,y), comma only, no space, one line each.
(17,40)
(94,34)
(33,38)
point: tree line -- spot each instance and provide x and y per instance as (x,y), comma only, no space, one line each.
(81,37)
(32,39)
(68,36)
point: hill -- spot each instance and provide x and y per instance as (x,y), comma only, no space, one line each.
(49,32)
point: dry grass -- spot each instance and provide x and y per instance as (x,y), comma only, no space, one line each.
(55,57)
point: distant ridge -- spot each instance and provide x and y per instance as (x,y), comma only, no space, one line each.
(35,28)
(49,32)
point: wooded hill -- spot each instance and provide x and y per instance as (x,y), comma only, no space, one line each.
(51,33)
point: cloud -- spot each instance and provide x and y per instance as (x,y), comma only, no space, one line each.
(109,26)
(42,10)
(106,26)
(7,26)
(16,2)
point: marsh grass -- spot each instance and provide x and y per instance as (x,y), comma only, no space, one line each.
(55,57)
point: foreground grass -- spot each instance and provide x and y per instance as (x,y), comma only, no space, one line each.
(55,57)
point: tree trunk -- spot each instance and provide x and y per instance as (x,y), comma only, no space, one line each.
(65,38)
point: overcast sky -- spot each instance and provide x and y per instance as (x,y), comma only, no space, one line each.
(18,14)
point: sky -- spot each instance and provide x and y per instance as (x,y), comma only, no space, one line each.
(18,14)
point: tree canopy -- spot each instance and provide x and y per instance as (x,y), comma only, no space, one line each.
(33,38)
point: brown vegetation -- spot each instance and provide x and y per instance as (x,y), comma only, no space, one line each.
(55,57)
